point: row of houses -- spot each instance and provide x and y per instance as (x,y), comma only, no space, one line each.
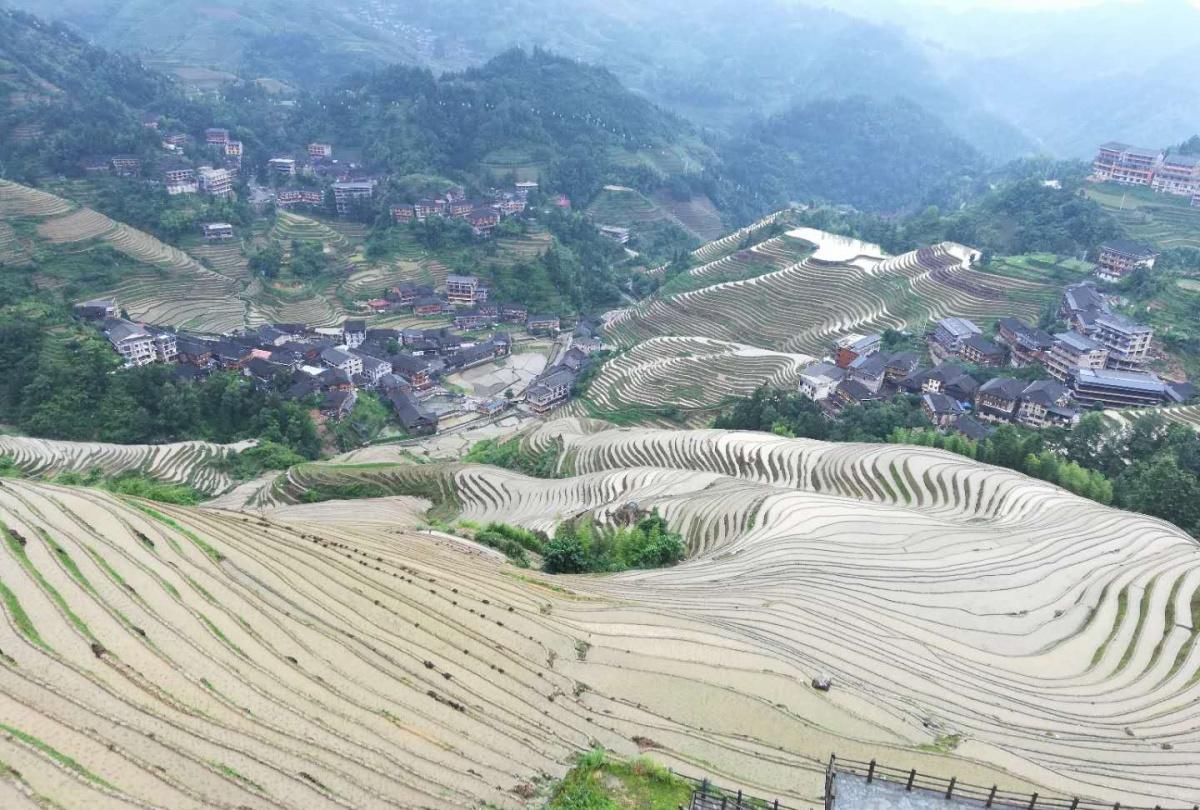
(1168,173)
(483,215)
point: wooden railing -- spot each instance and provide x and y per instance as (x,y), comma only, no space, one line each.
(985,797)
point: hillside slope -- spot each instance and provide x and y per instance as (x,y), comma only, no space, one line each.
(976,623)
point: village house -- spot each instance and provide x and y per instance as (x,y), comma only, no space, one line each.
(511,205)
(463,290)
(542,325)
(459,209)
(1196,200)
(320,151)
(415,420)
(1127,341)
(501,344)
(1046,403)
(982,352)
(940,409)
(948,336)
(1080,306)
(234,149)
(1129,165)
(194,352)
(870,371)
(971,428)
(342,360)
(425,208)
(428,305)
(1026,344)
(126,165)
(948,378)
(97,309)
(849,348)
(523,188)
(999,399)
(514,313)
(472,319)
(1121,257)
(615,233)
(819,380)
(216,136)
(403,213)
(174,141)
(1178,175)
(373,368)
(1119,389)
(282,166)
(354,332)
(900,365)
(216,231)
(484,221)
(550,390)
(1072,351)
(178,173)
(334,379)
(416,371)
(133,342)
(215,182)
(351,193)
(851,393)
(337,405)
(293,197)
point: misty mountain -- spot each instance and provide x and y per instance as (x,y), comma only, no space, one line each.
(882,156)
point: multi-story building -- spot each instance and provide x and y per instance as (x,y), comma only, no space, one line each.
(97,309)
(426,208)
(216,182)
(354,332)
(1071,352)
(550,391)
(282,166)
(217,231)
(1127,341)
(351,193)
(998,399)
(320,151)
(484,220)
(1129,165)
(849,348)
(234,149)
(342,360)
(1026,344)
(216,135)
(870,371)
(1081,305)
(819,380)
(948,336)
(132,342)
(1196,200)
(461,289)
(1046,403)
(179,178)
(1178,174)
(126,165)
(982,352)
(166,346)
(1119,389)
(286,199)
(403,213)
(1121,257)
(542,325)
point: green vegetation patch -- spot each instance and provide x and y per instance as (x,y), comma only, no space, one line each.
(513,455)
(55,754)
(599,782)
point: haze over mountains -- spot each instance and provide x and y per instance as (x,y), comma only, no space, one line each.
(1007,82)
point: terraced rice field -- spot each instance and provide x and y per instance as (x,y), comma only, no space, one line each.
(730,242)
(172,289)
(289,226)
(322,657)
(1187,415)
(182,462)
(1159,219)
(624,207)
(693,374)
(226,259)
(11,249)
(844,286)
(697,215)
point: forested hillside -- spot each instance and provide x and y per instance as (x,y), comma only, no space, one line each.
(877,155)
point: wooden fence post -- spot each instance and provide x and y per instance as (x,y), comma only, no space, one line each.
(1075,803)
(871,772)
(950,788)
(739,799)
(992,797)
(913,775)
(1032,801)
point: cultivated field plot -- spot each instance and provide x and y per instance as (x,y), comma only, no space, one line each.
(1188,415)
(846,285)
(697,214)
(173,288)
(322,656)
(692,374)
(182,462)
(1160,219)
